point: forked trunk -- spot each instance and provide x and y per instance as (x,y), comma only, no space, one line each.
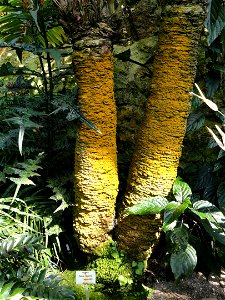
(159,141)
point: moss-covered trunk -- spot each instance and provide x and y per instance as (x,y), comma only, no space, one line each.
(159,141)
(96,178)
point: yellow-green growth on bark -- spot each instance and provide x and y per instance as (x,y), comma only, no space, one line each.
(159,142)
(96,178)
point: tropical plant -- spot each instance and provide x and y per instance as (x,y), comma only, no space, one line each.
(32,201)
(176,224)
(24,256)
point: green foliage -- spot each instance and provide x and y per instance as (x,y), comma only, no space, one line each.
(215,21)
(183,262)
(152,205)
(183,257)
(22,251)
(21,24)
(195,121)
(181,190)
(35,190)
(35,284)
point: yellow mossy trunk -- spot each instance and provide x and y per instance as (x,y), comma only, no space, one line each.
(159,145)
(96,178)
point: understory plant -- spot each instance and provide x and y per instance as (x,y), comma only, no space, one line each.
(26,268)
(180,216)
(34,190)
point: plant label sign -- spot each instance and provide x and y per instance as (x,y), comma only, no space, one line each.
(85,277)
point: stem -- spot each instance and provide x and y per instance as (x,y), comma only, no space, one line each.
(45,84)
(51,87)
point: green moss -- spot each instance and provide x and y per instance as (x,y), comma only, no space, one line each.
(114,280)
(104,248)
(79,289)
(116,277)
(109,271)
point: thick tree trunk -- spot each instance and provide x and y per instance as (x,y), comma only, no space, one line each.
(159,141)
(96,178)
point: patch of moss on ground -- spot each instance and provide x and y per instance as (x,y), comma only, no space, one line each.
(79,289)
(108,273)
(108,285)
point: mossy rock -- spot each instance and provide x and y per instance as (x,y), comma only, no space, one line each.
(108,285)
(108,272)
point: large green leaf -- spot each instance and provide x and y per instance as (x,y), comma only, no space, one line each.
(179,237)
(206,210)
(183,262)
(173,210)
(152,205)
(181,190)
(221,196)
(195,121)
(15,2)
(20,242)
(215,230)
(7,9)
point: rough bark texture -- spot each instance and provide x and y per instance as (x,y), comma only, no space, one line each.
(159,141)
(132,81)
(96,179)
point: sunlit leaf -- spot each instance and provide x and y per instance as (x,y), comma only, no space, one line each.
(35,17)
(206,210)
(218,141)
(173,210)
(152,205)
(56,35)
(20,139)
(208,102)
(181,190)
(215,230)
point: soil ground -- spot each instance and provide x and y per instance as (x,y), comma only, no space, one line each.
(196,287)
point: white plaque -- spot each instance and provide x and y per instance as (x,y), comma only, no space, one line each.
(85,277)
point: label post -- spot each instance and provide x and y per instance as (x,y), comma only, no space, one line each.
(86,278)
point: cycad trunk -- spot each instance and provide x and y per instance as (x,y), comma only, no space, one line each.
(159,145)
(96,178)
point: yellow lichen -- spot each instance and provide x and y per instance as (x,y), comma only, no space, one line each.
(96,178)
(159,144)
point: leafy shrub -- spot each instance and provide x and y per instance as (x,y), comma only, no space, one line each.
(183,259)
